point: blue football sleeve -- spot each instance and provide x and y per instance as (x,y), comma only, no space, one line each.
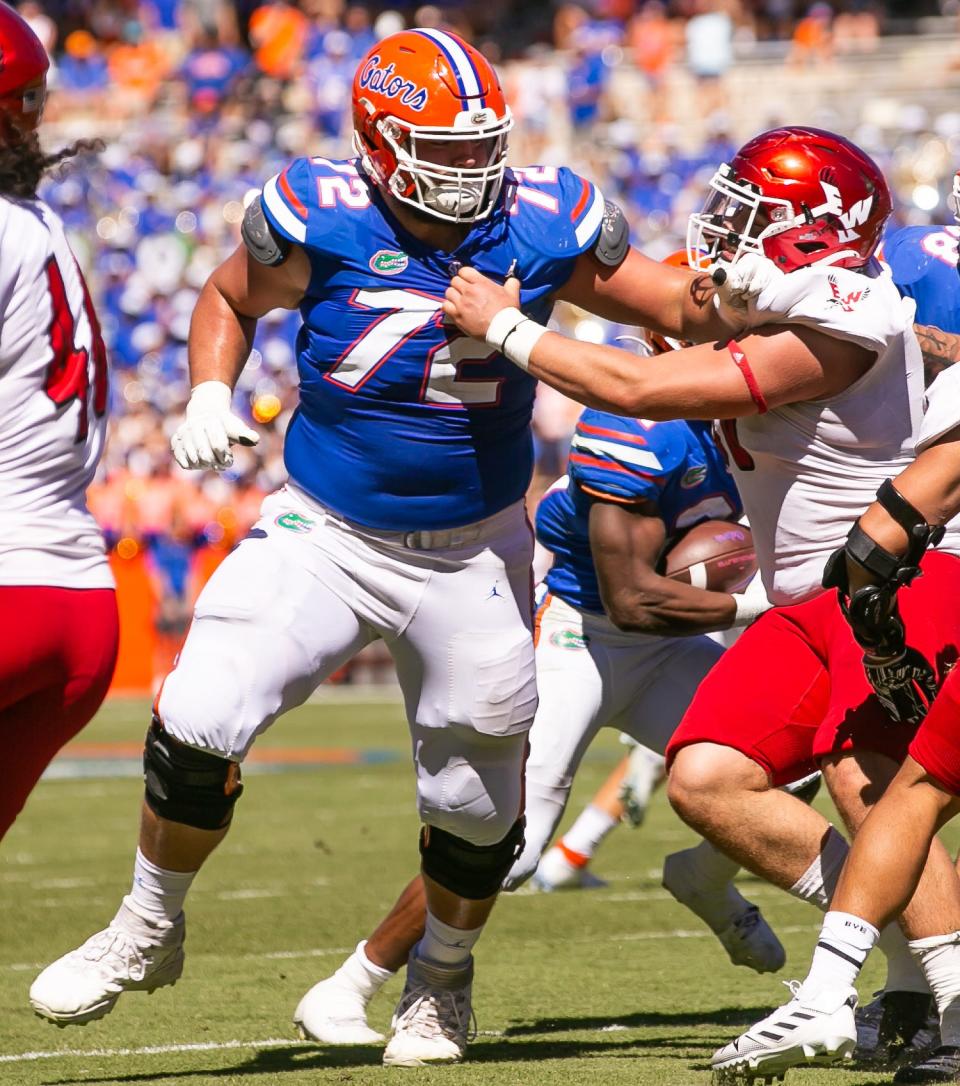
(287,198)
(612,458)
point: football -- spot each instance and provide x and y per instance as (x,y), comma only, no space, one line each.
(715,554)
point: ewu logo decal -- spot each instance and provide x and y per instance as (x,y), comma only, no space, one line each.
(847,302)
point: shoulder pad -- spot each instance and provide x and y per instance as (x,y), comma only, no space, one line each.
(613,241)
(558,212)
(266,245)
(623,458)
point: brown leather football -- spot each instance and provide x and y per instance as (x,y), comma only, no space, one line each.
(715,554)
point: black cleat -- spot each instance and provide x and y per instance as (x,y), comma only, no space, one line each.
(942,1065)
(895,1028)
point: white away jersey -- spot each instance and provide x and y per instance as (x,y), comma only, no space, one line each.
(806,471)
(53,401)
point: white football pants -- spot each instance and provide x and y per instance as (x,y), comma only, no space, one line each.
(306,590)
(590,676)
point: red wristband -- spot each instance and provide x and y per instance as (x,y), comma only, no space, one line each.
(740,361)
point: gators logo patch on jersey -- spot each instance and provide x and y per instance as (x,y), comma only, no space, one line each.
(568,639)
(388,262)
(295,522)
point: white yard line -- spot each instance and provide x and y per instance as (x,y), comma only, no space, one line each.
(324,952)
(156,1050)
(163,1050)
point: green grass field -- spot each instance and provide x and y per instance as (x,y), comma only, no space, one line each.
(619,985)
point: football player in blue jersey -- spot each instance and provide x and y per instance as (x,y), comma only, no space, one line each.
(618,645)
(409,456)
(923,262)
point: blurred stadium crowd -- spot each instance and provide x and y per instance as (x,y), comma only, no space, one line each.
(198,102)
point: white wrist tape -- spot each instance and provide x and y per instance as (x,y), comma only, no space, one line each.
(210,396)
(750,605)
(514,336)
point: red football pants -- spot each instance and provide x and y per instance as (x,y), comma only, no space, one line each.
(58,648)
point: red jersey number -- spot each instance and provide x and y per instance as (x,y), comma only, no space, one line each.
(68,376)
(730,445)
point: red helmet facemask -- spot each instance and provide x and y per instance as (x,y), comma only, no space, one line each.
(797,196)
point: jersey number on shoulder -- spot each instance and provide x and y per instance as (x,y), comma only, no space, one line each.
(942,245)
(403,313)
(68,376)
(728,441)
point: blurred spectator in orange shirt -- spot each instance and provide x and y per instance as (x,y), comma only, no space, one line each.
(278,32)
(138,66)
(812,41)
(652,38)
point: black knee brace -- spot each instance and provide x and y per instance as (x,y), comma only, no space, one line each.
(188,785)
(470,871)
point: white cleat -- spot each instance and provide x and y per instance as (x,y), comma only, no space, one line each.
(645,770)
(334,1014)
(556,872)
(750,941)
(131,955)
(433,1018)
(738,924)
(814,1030)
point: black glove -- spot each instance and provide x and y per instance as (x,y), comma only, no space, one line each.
(905,684)
(904,681)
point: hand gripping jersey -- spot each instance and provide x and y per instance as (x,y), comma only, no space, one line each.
(674,465)
(806,471)
(53,395)
(403,422)
(923,263)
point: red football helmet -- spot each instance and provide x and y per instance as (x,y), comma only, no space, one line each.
(797,196)
(427,91)
(23,71)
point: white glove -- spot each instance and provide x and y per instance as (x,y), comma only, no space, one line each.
(740,284)
(204,437)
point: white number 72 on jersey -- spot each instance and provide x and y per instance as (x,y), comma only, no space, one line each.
(404,313)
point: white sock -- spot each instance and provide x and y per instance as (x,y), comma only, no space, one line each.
(159,894)
(818,883)
(903,968)
(939,957)
(711,869)
(844,943)
(362,975)
(586,834)
(445,944)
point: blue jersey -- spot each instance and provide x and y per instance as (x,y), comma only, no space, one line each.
(404,422)
(923,260)
(673,465)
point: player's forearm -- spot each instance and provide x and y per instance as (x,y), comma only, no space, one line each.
(613,380)
(666,608)
(220,338)
(601,377)
(940,349)
(931,484)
